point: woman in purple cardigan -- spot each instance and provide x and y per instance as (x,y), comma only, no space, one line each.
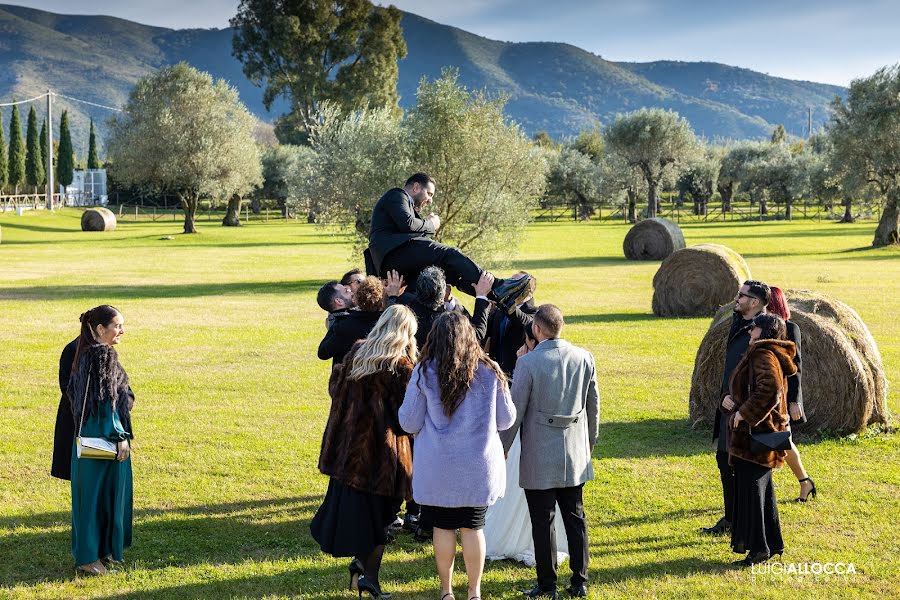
(456,402)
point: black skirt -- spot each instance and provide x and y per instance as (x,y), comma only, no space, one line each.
(463,517)
(756,527)
(351,522)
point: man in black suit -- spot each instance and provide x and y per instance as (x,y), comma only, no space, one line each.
(399,239)
(348,322)
(507,332)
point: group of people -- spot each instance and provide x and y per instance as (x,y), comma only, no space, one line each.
(471,419)
(761,395)
(429,400)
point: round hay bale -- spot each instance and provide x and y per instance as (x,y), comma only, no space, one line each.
(98,219)
(653,239)
(697,280)
(844,386)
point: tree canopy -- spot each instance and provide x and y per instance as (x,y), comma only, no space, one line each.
(65,162)
(309,51)
(181,132)
(865,131)
(34,166)
(16,171)
(93,161)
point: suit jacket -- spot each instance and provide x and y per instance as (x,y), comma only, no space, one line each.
(503,348)
(344,332)
(395,221)
(558,410)
(795,383)
(425,315)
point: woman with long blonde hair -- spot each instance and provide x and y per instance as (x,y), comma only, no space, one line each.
(365,451)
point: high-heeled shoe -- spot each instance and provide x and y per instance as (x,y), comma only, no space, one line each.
(356,570)
(371,588)
(811,492)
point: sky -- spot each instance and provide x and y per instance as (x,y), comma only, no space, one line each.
(828,41)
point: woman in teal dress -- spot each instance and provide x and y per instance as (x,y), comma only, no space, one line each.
(101,489)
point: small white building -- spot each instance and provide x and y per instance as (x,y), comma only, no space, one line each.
(88,188)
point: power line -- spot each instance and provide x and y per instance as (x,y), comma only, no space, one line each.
(86,102)
(44,95)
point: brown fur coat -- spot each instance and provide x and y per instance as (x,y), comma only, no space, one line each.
(761,401)
(364,446)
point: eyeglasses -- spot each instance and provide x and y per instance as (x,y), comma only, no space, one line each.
(739,294)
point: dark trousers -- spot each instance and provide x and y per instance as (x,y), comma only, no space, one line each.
(542,510)
(726,473)
(414,256)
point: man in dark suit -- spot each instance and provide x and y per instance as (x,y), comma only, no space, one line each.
(399,239)
(750,300)
(507,332)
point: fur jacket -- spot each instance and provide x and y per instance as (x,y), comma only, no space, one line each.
(759,391)
(364,446)
(108,383)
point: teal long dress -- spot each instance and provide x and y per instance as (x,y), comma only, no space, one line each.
(102,499)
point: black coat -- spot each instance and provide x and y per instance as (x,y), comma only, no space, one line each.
(395,221)
(64,432)
(795,387)
(344,332)
(503,348)
(425,315)
(738,342)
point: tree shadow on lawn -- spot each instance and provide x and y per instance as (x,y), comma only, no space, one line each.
(41,228)
(198,534)
(570,262)
(131,292)
(611,318)
(650,437)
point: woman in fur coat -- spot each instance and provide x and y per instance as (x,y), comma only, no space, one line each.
(365,451)
(759,392)
(101,489)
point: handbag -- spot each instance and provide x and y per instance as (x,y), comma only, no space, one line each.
(93,447)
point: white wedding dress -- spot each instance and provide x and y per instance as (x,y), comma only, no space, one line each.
(507,527)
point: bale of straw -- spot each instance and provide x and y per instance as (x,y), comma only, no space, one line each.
(98,219)
(844,385)
(697,280)
(653,239)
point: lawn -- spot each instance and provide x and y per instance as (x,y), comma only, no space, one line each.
(221,333)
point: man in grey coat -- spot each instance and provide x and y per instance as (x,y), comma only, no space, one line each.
(558,410)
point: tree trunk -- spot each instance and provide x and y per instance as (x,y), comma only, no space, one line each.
(727,193)
(848,210)
(696,205)
(788,209)
(763,208)
(255,205)
(632,206)
(888,231)
(233,212)
(189,205)
(652,199)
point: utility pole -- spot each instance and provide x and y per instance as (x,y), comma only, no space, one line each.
(808,121)
(49,150)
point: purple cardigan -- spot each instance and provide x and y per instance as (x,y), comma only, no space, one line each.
(458,461)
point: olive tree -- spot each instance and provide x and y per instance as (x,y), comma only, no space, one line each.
(488,173)
(653,140)
(865,131)
(618,178)
(574,177)
(182,133)
(699,177)
(283,164)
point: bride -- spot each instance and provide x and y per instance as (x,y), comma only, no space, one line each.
(507,527)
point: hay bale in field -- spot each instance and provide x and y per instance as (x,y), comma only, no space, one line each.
(98,219)
(697,280)
(653,239)
(844,386)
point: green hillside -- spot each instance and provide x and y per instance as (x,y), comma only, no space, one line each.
(551,86)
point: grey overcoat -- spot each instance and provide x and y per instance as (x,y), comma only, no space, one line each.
(558,409)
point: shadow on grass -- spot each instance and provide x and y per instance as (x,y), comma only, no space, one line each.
(37,547)
(568,262)
(42,228)
(611,318)
(191,290)
(650,437)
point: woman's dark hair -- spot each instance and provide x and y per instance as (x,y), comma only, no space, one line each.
(778,304)
(772,326)
(454,349)
(99,315)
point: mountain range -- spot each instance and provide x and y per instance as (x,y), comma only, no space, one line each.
(554,87)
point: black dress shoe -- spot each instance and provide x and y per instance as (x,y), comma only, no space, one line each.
(579,591)
(753,558)
(411,522)
(720,528)
(537,592)
(508,293)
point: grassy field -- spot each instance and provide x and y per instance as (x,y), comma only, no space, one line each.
(222,329)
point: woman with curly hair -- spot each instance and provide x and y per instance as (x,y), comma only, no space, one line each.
(456,402)
(365,451)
